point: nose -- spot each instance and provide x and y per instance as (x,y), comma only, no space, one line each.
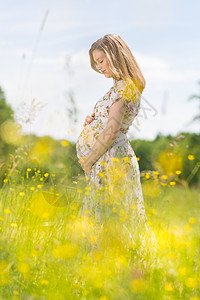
(98,67)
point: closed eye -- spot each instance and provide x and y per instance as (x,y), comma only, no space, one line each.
(100,62)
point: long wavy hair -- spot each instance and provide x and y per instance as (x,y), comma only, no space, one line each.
(120,59)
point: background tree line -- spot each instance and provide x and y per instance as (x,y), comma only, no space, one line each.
(165,154)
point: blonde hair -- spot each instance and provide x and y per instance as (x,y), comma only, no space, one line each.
(120,59)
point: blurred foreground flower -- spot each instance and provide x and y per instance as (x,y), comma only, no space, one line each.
(68,250)
(40,207)
(138,285)
(151,188)
(170,162)
(23,267)
(10,133)
(4,272)
(42,150)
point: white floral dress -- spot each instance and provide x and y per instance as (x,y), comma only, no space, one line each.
(116,173)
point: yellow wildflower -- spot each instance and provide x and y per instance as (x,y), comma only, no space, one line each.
(156,172)
(44,282)
(23,267)
(147,175)
(15,292)
(192,220)
(74,207)
(178,172)
(46,174)
(101,174)
(121,213)
(96,255)
(191,283)
(153,211)
(138,285)
(182,271)
(164,176)
(88,188)
(133,206)
(172,182)
(168,286)
(126,159)
(102,298)
(188,244)
(191,157)
(7,211)
(114,159)
(150,223)
(65,251)
(93,239)
(132,245)
(64,143)
(175,228)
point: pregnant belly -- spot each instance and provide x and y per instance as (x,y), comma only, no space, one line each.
(87,139)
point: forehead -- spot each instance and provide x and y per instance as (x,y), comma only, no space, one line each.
(97,54)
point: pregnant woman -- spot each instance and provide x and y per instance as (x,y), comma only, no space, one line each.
(104,152)
(103,149)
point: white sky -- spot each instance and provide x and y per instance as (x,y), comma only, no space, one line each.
(163,36)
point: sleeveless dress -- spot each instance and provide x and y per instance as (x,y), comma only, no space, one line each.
(114,180)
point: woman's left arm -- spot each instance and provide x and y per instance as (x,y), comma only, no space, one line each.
(107,137)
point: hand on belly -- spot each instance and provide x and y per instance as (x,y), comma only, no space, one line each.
(86,139)
(89,119)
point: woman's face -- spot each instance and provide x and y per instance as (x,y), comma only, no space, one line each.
(101,61)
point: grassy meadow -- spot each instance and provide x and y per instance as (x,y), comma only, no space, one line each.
(48,250)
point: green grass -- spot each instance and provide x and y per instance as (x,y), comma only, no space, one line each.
(49,251)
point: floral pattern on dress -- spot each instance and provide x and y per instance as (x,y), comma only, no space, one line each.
(120,89)
(103,172)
